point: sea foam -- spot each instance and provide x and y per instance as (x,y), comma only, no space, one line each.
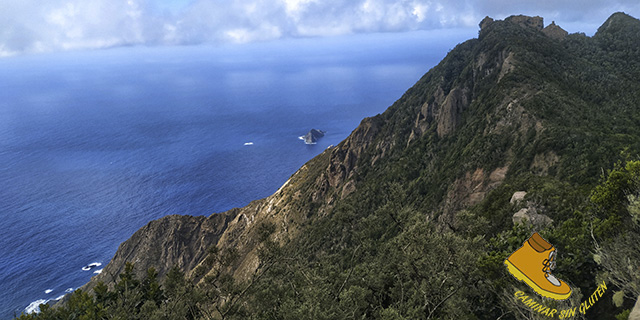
(91,266)
(35,306)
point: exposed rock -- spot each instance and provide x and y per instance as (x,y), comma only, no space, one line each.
(553,31)
(485,22)
(312,136)
(635,312)
(508,64)
(497,176)
(426,115)
(174,240)
(527,22)
(348,189)
(531,216)
(517,197)
(345,155)
(472,188)
(448,116)
(443,112)
(322,186)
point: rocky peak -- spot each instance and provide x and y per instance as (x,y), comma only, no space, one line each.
(527,22)
(619,25)
(554,31)
(617,20)
(536,23)
(485,22)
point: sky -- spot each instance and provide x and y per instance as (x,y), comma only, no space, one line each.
(35,26)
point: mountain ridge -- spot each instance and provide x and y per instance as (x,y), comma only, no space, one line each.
(513,109)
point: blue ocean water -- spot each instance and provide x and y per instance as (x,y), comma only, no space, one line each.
(93,145)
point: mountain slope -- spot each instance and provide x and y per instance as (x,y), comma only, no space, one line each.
(410,216)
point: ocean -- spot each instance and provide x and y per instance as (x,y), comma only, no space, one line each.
(95,144)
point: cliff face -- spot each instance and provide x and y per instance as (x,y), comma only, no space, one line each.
(174,240)
(519,108)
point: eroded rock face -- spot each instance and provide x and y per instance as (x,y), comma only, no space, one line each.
(537,23)
(345,156)
(527,22)
(444,112)
(485,22)
(555,32)
(448,116)
(174,240)
(472,188)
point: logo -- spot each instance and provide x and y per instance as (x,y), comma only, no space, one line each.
(532,264)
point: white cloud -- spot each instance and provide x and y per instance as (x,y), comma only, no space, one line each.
(31,26)
(420,10)
(293,7)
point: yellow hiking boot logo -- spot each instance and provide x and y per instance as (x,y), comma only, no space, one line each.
(532,263)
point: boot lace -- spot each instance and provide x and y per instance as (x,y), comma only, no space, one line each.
(549,264)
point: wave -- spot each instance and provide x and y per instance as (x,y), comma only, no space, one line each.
(59,297)
(34,307)
(99,271)
(248,143)
(69,290)
(91,266)
(48,291)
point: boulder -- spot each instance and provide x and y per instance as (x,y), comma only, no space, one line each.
(531,216)
(517,197)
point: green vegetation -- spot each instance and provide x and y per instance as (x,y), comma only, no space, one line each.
(405,244)
(394,264)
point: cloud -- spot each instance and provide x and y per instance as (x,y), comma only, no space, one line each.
(31,26)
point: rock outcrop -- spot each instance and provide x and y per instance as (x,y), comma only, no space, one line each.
(554,31)
(527,21)
(312,136)
(485,22)
(531,216)
(174,240)
(517,197)
(635,312)
(536,23)
(442,112)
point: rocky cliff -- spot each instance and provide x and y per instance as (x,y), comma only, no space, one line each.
(175,240)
